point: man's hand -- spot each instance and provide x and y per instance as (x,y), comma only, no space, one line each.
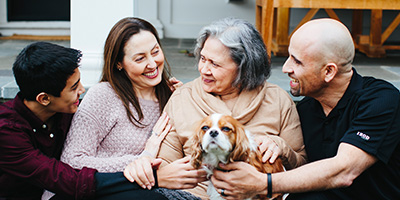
(239,180)
(180,175)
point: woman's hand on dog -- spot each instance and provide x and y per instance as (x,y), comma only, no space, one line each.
(180,174)
(268,148)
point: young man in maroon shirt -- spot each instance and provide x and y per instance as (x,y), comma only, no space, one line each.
(34,125)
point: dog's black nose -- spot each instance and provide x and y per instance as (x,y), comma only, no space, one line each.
(214,133)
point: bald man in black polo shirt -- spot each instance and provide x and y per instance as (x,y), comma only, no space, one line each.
(350,123)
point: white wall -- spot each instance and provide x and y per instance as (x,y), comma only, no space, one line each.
(185,18)
(91,20)
(149,10)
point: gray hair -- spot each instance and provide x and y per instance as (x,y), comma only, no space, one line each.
(246,47)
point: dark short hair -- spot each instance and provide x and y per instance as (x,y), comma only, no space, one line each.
(246,47)
(44,67)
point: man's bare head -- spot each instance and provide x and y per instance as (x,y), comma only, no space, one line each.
(327,40)
(321,53)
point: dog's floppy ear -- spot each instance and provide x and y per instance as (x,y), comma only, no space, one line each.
(196,149)
(241,150)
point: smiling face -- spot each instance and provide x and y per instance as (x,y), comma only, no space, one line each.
(304,66)
(320,55)
(69,98)
(216,67)
(143,60)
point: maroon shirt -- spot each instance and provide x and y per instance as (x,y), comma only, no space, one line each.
(29,156)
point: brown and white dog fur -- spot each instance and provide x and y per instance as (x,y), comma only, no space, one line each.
(221,138)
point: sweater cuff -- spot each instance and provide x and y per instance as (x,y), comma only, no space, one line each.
(155,178)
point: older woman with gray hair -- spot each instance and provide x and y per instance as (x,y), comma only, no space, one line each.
(234,66)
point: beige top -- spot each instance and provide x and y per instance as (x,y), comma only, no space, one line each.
(268,110)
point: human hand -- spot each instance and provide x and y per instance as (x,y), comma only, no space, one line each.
(268,148)
(180,174)
(175,83)
(160,130)
(239,180)
(141,171)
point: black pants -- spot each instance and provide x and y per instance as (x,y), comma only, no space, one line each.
(317,195)
(116,186)
(111,186)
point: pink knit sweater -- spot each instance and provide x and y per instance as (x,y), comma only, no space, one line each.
(101,136)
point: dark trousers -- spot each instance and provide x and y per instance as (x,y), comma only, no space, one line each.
(317,195)
(111,186)
(116,186)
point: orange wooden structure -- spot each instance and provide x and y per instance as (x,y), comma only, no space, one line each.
(272,20)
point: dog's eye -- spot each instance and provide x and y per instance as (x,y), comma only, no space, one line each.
(205,128)
(225,129)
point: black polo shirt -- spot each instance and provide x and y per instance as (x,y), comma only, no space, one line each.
(368,117)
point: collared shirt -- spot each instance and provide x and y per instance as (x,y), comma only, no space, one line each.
(29,156)
(368,117)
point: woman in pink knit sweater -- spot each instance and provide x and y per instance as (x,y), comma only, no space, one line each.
(117,115)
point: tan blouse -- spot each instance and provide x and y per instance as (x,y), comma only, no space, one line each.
(267,110)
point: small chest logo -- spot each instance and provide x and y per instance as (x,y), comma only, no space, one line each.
(363,135)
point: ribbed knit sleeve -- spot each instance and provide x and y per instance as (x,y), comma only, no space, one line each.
(101,135)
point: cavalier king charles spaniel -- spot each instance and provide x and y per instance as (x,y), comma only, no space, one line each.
(221,138)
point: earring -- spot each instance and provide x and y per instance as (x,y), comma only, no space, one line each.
(120,69)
